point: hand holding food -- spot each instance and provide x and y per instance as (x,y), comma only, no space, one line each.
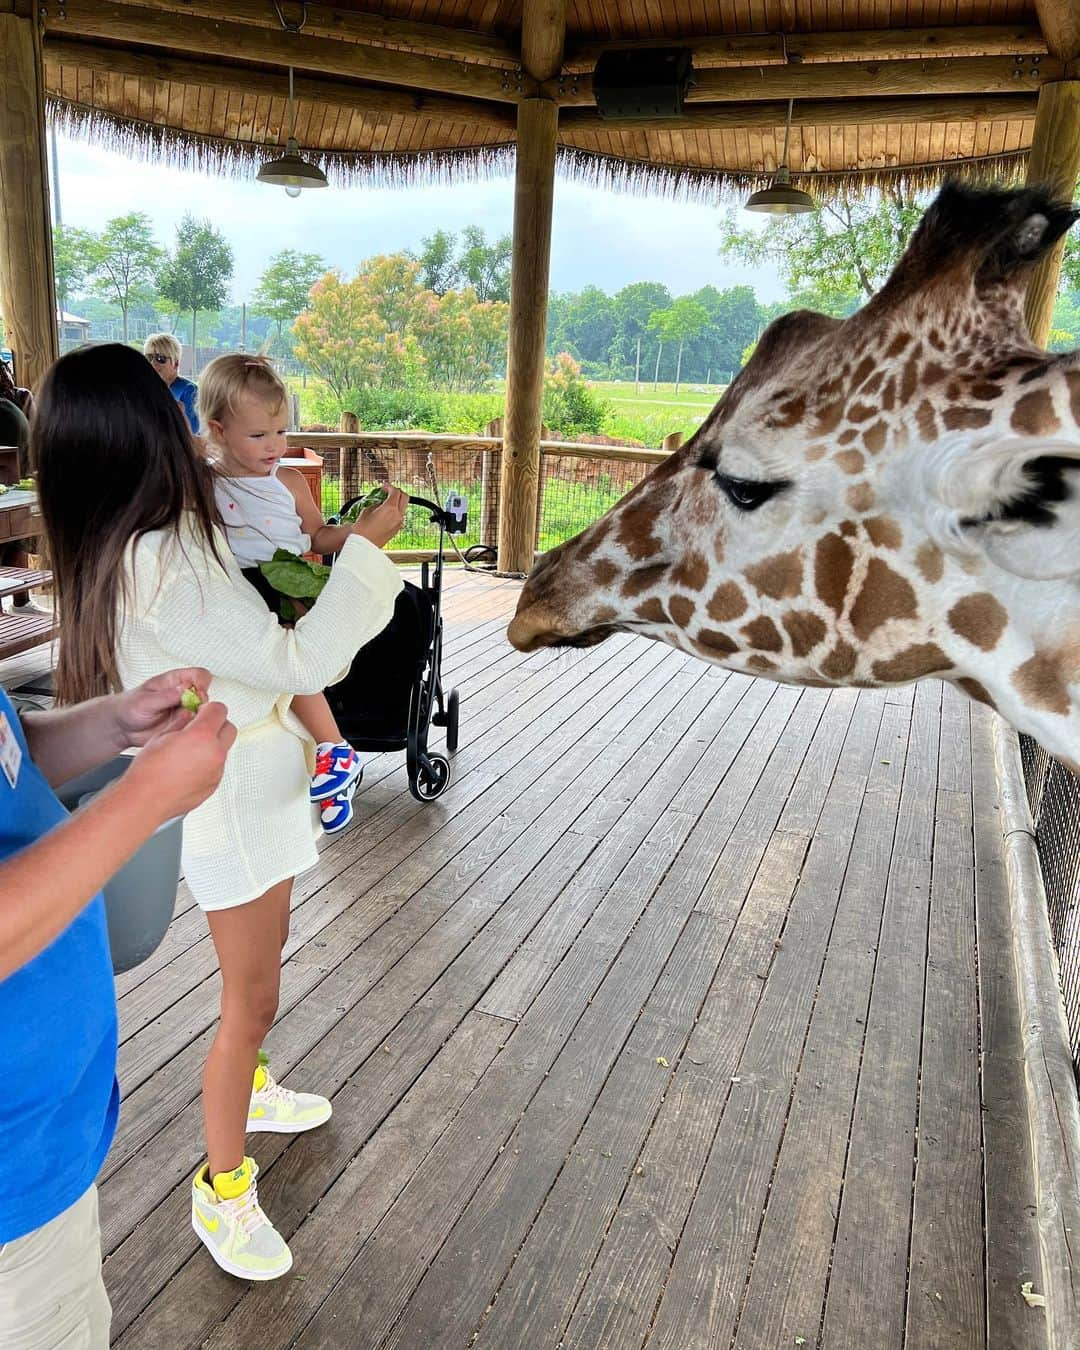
(180,767)
(380,523)
(165,702)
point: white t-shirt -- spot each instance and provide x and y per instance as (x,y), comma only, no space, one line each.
(260,517)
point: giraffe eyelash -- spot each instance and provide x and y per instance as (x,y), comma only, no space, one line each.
(747,494)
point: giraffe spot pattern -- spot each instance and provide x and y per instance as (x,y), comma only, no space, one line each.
(779,577)
(840,662)
(874,437)
(926,420)
(860,497)
(966,419)
(604,572)
(763,634)
(977,691)
(805,629)
(641,578)
(898,344)
(762,664)
(980,619)
(691,572)
(931,562)
(1040,684)
(1034,413)
(682,609)
(833,561)
(925,658)
(714,643)
(850,461)
(727,603)
(652,611)
(861,412)
(885,595)
(884,532)
(1072,379)
(635,530)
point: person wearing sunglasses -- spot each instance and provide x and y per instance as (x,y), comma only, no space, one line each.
(163,352)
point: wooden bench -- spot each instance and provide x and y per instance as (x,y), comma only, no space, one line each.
(16,579)
(20,632)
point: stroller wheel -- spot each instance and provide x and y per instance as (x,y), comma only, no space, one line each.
(432,778)
(452,721)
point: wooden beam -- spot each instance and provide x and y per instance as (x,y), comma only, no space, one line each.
(847,79)
(369,100)
(1055,163)
(27,293)
(1059,21)
(879,44)
(816,113)
(125,22)
(351,25)
(543,33)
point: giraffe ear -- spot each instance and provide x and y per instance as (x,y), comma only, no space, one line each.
(1017,502)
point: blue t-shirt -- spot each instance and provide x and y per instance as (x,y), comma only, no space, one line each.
(60,1097)
(186,393)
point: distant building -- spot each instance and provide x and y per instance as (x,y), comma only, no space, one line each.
(71,329)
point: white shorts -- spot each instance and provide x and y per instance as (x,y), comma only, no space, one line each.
(52,1296)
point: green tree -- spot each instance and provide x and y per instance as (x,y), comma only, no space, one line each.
(438,265)
(684,320)
(196,276)
(462,338)
(483,266)
(584,324)
(123,261)
(283,288)
(73,260)
(633,307)
(835,258)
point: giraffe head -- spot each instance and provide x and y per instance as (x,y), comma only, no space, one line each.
(874,500)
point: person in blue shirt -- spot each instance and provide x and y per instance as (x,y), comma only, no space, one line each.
(57,1002)
(163,352)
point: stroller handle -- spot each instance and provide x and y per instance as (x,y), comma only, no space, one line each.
(438,515)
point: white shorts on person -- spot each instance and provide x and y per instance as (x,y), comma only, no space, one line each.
(52,1296)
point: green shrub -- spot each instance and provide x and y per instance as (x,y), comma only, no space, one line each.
(570,406)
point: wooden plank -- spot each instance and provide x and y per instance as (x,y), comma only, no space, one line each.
(946,1293)
(1012,1234)
(708,1275)
(868,1285)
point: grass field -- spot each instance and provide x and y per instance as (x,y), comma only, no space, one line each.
(646,415)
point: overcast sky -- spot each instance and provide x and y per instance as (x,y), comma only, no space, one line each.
(600,237)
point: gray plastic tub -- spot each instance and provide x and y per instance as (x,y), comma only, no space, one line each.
(140,898)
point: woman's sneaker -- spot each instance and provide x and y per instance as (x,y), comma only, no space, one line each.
(336,812)
(226,1215)
(277,1110)
(337,768)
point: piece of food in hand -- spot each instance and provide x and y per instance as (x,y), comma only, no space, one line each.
(375,497)
(191,699)
(26,484)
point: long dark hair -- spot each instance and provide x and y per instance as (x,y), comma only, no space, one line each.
(114,460)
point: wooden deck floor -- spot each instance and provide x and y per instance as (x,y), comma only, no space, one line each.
(683,1020)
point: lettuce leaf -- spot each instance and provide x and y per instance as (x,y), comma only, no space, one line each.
(289,574)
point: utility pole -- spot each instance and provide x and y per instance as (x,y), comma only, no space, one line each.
(637,368)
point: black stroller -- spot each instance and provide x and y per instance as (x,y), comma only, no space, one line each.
(393,692)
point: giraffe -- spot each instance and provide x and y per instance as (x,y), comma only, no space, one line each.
(874,500)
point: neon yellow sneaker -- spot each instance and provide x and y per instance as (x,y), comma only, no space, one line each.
(226,1215)
(276,1110)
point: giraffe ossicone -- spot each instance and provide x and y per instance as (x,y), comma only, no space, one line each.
(874,500)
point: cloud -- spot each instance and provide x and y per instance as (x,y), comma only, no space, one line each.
(599,237)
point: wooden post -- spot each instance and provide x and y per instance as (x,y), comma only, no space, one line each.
(543,30)
(671,441)
(1055,148)
(27,291)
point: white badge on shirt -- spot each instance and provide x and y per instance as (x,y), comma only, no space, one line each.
(10,751)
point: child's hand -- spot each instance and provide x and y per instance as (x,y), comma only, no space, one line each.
(156,705)
(181,766)
(381,523)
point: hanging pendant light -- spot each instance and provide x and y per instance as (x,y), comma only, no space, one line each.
(780,198)
(292,171)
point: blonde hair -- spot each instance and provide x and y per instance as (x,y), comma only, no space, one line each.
(163,344)
(228,379)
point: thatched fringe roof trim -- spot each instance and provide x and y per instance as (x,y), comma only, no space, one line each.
(182,149)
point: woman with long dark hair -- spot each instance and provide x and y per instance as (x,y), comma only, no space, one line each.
(146,582)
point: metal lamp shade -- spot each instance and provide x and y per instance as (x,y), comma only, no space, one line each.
(780,198)
(291,170)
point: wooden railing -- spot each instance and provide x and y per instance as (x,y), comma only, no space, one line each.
(470,462)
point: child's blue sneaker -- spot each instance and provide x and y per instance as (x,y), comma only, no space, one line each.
(336,812)
(337,768)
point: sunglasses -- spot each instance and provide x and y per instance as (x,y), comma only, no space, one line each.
(158,358)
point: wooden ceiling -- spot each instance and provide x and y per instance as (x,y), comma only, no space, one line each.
(885,90)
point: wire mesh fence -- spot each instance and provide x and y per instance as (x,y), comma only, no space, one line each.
(575,491)
(1054,797)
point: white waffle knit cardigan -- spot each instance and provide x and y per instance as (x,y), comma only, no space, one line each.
(186,609)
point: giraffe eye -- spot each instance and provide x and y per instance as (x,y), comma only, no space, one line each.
(746,494)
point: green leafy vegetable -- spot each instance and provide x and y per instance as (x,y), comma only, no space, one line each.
(190,699)
(26,484)
(375,497)
(289,574)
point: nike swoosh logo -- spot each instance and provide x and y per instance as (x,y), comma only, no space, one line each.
(211,1225)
